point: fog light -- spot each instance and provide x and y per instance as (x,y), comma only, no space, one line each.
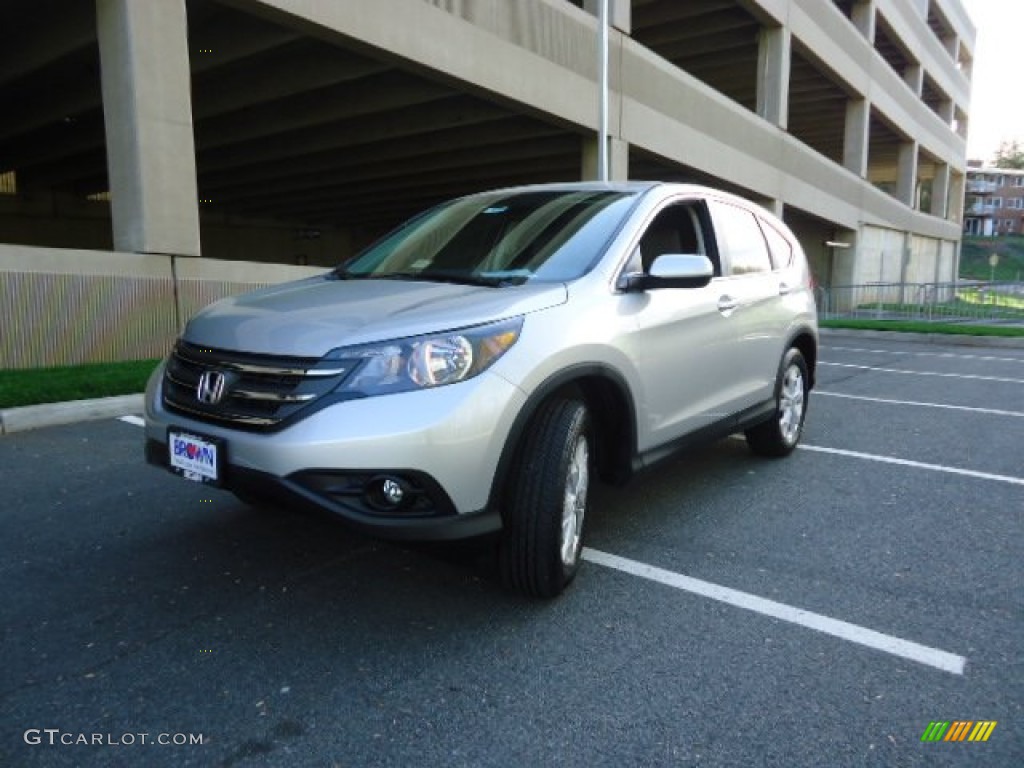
(393,491)
(387,493)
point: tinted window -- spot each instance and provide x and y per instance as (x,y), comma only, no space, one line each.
(740,240)
(778,245)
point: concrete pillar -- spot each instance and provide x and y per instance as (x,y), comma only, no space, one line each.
(914,77)
(952,45)
(863,17)
(619,13)
(955,206)
(940,191)
(844,261)
(618,159)
(906,173)
(147,108)
(966,66)
(947,111)
(857,135)
(774,57)
(961,124)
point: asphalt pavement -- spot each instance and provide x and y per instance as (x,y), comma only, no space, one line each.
(823,609)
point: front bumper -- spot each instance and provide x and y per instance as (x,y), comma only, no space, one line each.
(444,443)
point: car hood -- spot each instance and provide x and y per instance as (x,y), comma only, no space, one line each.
(310,317)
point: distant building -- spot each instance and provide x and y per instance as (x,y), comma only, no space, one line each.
(995,202)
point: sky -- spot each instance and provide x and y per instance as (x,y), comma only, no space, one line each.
(997,107)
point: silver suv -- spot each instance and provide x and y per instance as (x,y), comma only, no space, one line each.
(471,372)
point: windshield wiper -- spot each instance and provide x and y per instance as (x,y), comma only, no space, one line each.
(456,278)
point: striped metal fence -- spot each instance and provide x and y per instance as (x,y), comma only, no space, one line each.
(54,319)
(989,302)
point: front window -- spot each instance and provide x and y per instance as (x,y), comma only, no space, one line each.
(499,239)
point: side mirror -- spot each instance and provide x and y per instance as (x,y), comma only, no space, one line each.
(673,270)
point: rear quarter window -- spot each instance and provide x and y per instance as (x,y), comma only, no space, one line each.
(740,240)
(779,246)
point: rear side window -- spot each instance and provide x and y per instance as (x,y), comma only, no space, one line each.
(779,246)
(740,240)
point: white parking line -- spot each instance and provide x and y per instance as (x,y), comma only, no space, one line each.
(922,654)
(915,464)
(941,374)
(987,358)
(943,660)
(991,411)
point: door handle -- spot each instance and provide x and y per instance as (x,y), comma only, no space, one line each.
(727,304)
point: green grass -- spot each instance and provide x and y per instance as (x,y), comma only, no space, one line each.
(969,304)
(975,252)
(79,382)
(977,298)
(912,326)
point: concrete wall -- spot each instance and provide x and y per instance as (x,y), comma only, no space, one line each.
(879,256)
(64,307)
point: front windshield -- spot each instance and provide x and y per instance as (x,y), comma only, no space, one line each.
(499,238)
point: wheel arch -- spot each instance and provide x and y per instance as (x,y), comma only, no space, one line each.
(805,341)
(612,417)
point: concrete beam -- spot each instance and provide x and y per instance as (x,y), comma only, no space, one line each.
(363,97)
(482,61)
(453,112)
(620,13)
(148,117)
(309,68)
(314,169)
(359,176)
(42,38)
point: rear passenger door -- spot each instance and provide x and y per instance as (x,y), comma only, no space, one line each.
(750,296)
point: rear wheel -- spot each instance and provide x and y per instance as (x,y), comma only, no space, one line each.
(539,550)
(780,434)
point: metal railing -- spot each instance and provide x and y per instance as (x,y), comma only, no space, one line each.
(969,301)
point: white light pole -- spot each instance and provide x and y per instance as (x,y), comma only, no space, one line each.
(602,96)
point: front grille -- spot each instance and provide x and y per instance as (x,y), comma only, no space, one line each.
(255,392)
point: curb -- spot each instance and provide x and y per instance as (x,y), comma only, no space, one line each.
(54,414)
(948,339)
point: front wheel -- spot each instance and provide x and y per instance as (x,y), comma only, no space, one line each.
(540,546)
(780,434)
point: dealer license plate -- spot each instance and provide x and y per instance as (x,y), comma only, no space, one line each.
(194,457)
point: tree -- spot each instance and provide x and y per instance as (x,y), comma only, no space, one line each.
(1010,155)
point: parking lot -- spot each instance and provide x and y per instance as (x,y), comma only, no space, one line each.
(818,610)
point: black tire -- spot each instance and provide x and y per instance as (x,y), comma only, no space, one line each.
(779,435)
(546,501)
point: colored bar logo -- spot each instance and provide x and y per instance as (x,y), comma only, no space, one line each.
(959,730)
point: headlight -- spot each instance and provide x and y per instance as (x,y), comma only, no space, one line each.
(421,362)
